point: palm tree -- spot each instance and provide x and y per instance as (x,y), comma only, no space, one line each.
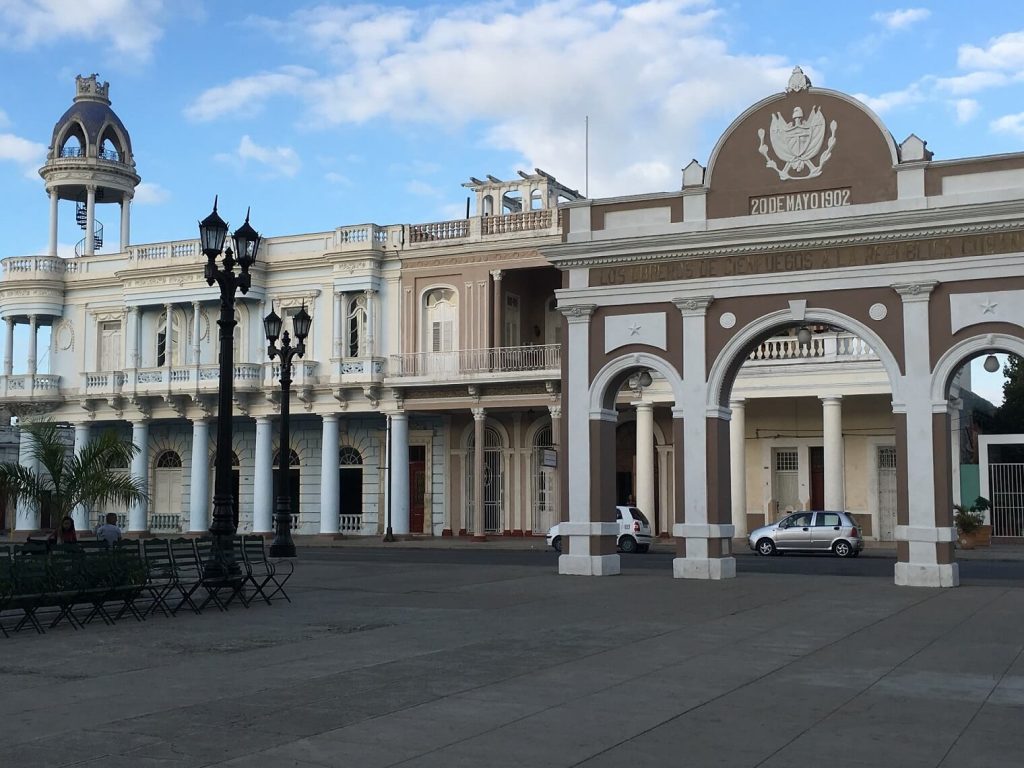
(65,480)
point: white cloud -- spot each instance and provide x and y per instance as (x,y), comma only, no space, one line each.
(276,161)
(131,27)
(151,193)
(912,94)
(966,110)
(253,91)
(529,74)
(1011,124)
(972,82)
(338,178)
(1004,52)
(422,189)
(901,19)
(21,151)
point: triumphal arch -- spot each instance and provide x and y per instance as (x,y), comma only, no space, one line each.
(808,212)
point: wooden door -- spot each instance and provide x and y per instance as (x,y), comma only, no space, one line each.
(417,487)
(817,477)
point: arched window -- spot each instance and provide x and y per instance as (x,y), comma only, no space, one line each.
(536,200)
(165,512)
(168,460)
(488,205)
(356,327)
(169,346)
(441,321)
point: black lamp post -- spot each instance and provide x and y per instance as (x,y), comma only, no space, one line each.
(213,232)
(282,545)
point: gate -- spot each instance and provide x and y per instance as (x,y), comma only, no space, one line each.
(494,481)
(886,463)
(1006,487)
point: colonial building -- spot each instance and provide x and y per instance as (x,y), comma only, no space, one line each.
(803,305)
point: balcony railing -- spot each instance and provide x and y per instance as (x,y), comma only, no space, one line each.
(527,221)
(438,231)
(37,267)
(469,363)
(178,249)
(43,386)
(104,383)
(351,524)
(824,348)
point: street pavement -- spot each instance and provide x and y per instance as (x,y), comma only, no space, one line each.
(389,660)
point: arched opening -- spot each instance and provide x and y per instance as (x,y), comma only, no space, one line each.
(494,481)
(357,328)
(544,504)
(536,200)
(165,512)
(170,345)
(812,425)
(111,147)
(440,331)
(350,464)
(294,483)
(488,205)
(73,143)
(512,202)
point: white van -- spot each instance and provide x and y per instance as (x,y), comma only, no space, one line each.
(634,531)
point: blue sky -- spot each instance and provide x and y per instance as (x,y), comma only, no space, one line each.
(321,114)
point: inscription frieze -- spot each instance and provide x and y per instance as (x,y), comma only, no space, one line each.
(811,259)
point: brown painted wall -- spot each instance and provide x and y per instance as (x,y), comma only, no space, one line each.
(860,160)
(853,302)
(940,333)
(719,488)
(902,476)
(933,175)
(674,337)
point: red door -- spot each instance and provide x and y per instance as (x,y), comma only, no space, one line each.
(817,477)
(417,486)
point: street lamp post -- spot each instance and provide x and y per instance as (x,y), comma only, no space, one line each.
(212,235)
(282,545)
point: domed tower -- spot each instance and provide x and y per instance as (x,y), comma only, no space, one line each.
(90,161)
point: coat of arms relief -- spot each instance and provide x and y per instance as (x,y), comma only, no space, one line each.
(799,142)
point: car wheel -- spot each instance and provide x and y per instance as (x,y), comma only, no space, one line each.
(842,548)
(556,543)
(766,547)
(628,544)
(643,548)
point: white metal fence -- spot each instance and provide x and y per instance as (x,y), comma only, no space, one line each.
(1006,489)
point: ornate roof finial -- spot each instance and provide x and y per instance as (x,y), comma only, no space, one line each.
(798,81)
(91,89)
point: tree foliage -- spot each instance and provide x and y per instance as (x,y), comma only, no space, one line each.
(65,480)
(1009,417)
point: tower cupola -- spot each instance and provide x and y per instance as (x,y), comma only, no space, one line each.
(90,162)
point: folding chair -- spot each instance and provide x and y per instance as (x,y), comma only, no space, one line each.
(263,571)
(160,574)
(219,574)
(188,574)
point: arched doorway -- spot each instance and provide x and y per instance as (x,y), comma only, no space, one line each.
(544,503)
(165,514)
(494,480)
(294,484)
(350,463)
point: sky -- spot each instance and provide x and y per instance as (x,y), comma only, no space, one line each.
(325,114)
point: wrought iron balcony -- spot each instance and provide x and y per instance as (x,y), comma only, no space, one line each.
(477,364)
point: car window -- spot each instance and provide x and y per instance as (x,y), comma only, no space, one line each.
(829,519)
(638,515)
(618,514)
(799,521)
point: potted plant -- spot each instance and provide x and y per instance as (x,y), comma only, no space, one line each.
(970,524)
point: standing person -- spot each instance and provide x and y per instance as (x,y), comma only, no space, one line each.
(65,533)
(108,531)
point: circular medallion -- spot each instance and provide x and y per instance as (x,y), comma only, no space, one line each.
(727,320)
(65,336)
(878,311)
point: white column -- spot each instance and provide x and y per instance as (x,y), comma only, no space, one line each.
(80,514)
(90,220)
(338,342)
(138,515)
(27,516)
(399,468)
(197,328)
(263,481)
(126,217)
(368,346)
(330,480)
(738,466)
(9,346)
(199,499)
(835,466)
(54,197)
(645,458)
(479,422)
(32,343)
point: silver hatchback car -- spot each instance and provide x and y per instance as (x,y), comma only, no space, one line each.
(835,532)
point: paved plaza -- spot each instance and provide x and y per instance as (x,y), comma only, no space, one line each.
(381,660)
